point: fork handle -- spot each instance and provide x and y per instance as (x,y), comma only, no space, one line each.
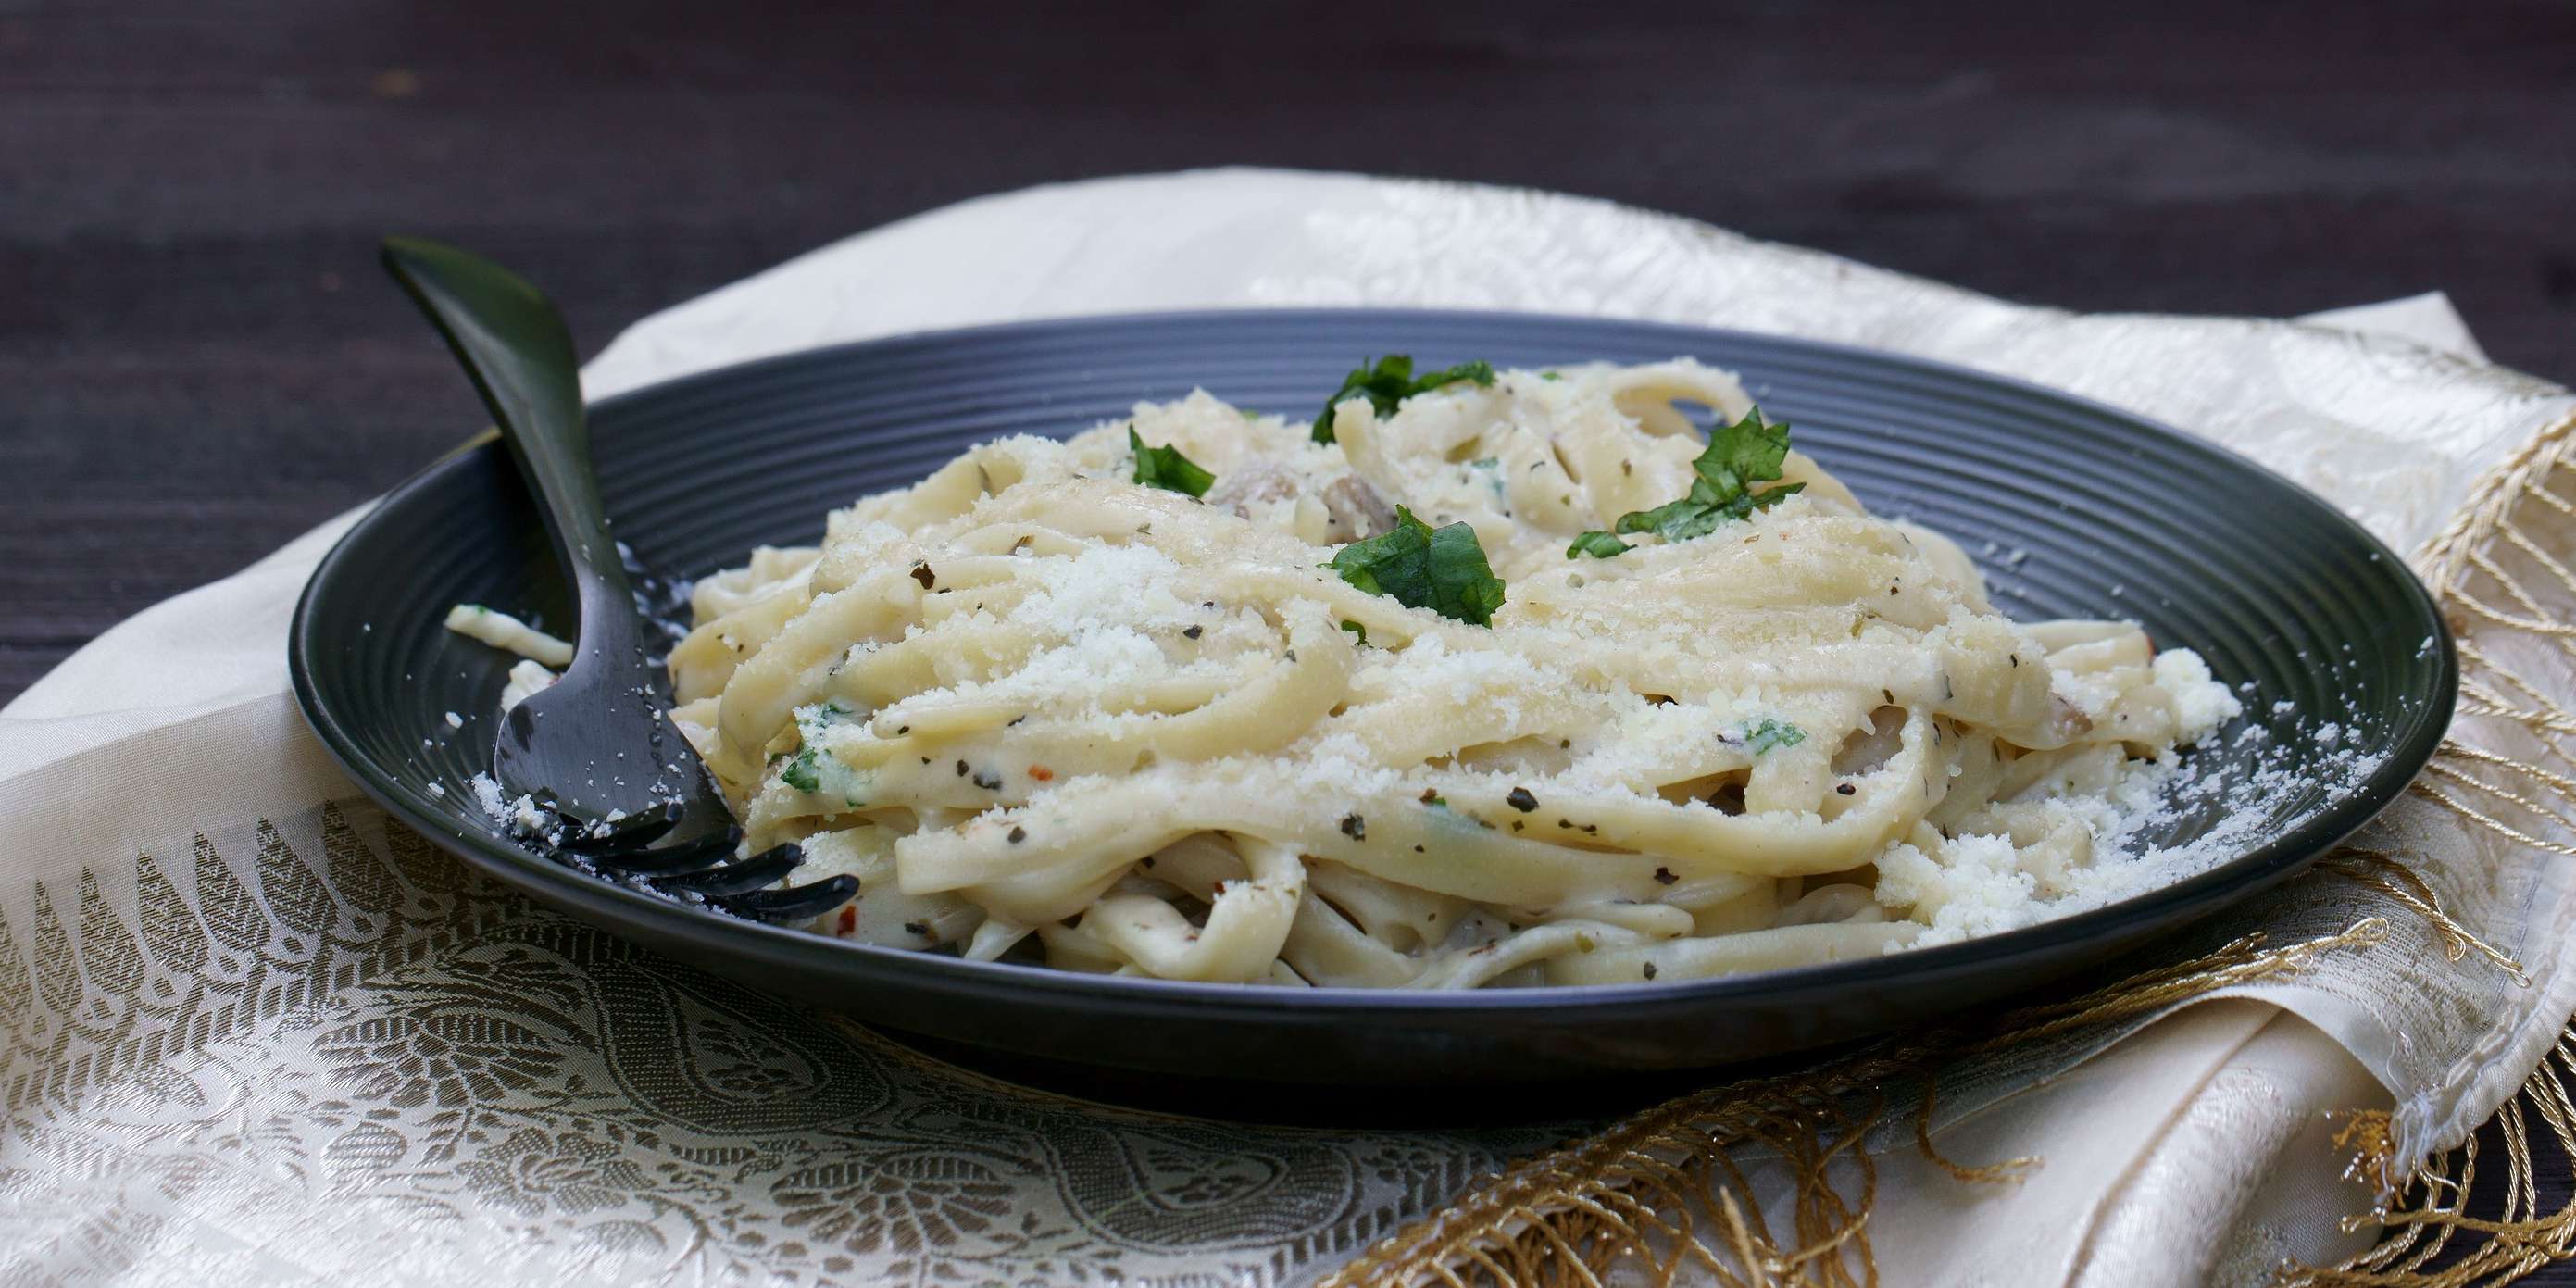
(513,344)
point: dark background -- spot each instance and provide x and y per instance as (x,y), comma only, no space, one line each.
(198,358)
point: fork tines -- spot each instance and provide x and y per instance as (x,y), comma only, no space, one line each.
(704,867)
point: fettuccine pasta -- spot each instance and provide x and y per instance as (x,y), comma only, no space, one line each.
(1042,711)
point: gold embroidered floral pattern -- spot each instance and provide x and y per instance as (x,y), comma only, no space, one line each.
(905,1202)
(533,1172)
(443,1057)
(396,1058)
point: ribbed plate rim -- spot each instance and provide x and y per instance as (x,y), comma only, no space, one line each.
(2418,733)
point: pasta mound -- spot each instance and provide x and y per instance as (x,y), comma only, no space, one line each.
(1044,712)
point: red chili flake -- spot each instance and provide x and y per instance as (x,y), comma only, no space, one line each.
(1844,789)
(1042,773)
(849,920)
(921,573)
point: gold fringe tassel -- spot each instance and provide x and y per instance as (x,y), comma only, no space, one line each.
(1663,1193)
(2432,1241)
(2482,568)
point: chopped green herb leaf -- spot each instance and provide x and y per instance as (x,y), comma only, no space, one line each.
(1387,382)
(1599,545)
(1771,735)
(1356,629)
(819,771)
(1738,456)
(1551,375)
(1166,468)
(1418,566)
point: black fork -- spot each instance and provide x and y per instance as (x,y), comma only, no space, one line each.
(625,795)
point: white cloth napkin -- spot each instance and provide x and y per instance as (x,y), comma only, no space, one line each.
(2213,1121)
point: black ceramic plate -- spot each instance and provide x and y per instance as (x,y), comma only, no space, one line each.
(2075,509)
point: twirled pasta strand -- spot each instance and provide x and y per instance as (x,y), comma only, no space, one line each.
(1033,706)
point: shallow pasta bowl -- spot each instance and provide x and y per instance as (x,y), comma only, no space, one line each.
(2074,509)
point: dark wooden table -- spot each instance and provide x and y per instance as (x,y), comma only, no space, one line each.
(198,358)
